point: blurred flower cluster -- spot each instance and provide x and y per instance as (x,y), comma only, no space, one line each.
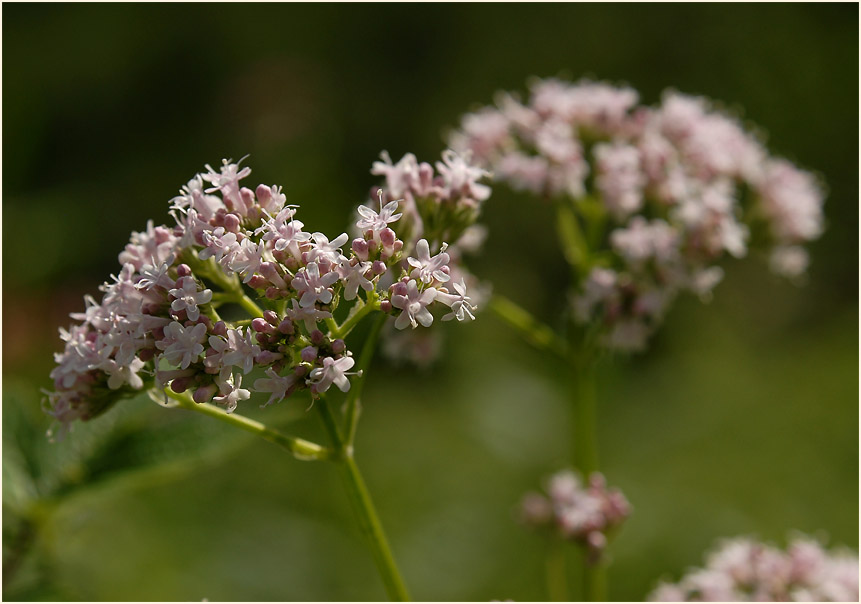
(158,323)
(661,194)
(587,514)
(744,570)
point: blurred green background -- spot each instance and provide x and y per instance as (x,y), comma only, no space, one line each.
(741,419)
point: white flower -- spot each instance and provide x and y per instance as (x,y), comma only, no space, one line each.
(312,286)
(188,297)
(238,349)
(182,345)
(309,315)
(122,374)
(353,277)
(370,220)
(248,258)
(413,304)
(333,371)
(330,250)
(278,385)
(428,268)
(231,393)
(218,244)
(460,304)
(285,232)
(152,276)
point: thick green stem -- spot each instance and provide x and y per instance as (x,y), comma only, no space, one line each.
(359,497)
(300,448)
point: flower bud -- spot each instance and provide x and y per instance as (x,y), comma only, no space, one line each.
(183,270)
(317,337)
(258,282)
(220,329)
(268,357)
(360,247)
(388,237)
(379,267)
(231,223)
(309,354)
(286,327)
(181,384)
(271,317)
(204,394)
(339,346)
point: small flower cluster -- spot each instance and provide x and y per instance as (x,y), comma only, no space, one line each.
(573,511)
(744,570)
(674,189)
(158,321)
(438,209)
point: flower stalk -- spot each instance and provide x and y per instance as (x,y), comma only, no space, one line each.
(363,505)
(300,448)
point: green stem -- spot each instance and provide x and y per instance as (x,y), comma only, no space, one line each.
(231,285)
(360,311)
(571,237)
(353,404)
(300,448)
(532,330)
(595,581)
(585,417)
(585,451)
(557,579)
(247,303)
(359,497)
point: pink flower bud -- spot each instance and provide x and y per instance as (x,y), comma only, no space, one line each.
(204,394)
(360,247)
(264,194)
(386,306)
(258,282)
(183,270)
(339,346)
(247,196)
(231,223)
(220,329)
(317,337)
(379,267)
(267,357)
(271,317)
(180,384)
(286,327)
(388,237)
(309,354)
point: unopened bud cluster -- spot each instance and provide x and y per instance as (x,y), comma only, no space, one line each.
(158,322)
(662,193)
(745,570)
(587,514)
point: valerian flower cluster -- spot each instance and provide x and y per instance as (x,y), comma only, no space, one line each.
(586,514)
(438,209)
(158,323)
(745,570)
(661,194)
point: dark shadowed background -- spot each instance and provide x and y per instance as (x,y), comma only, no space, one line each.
(741,419)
